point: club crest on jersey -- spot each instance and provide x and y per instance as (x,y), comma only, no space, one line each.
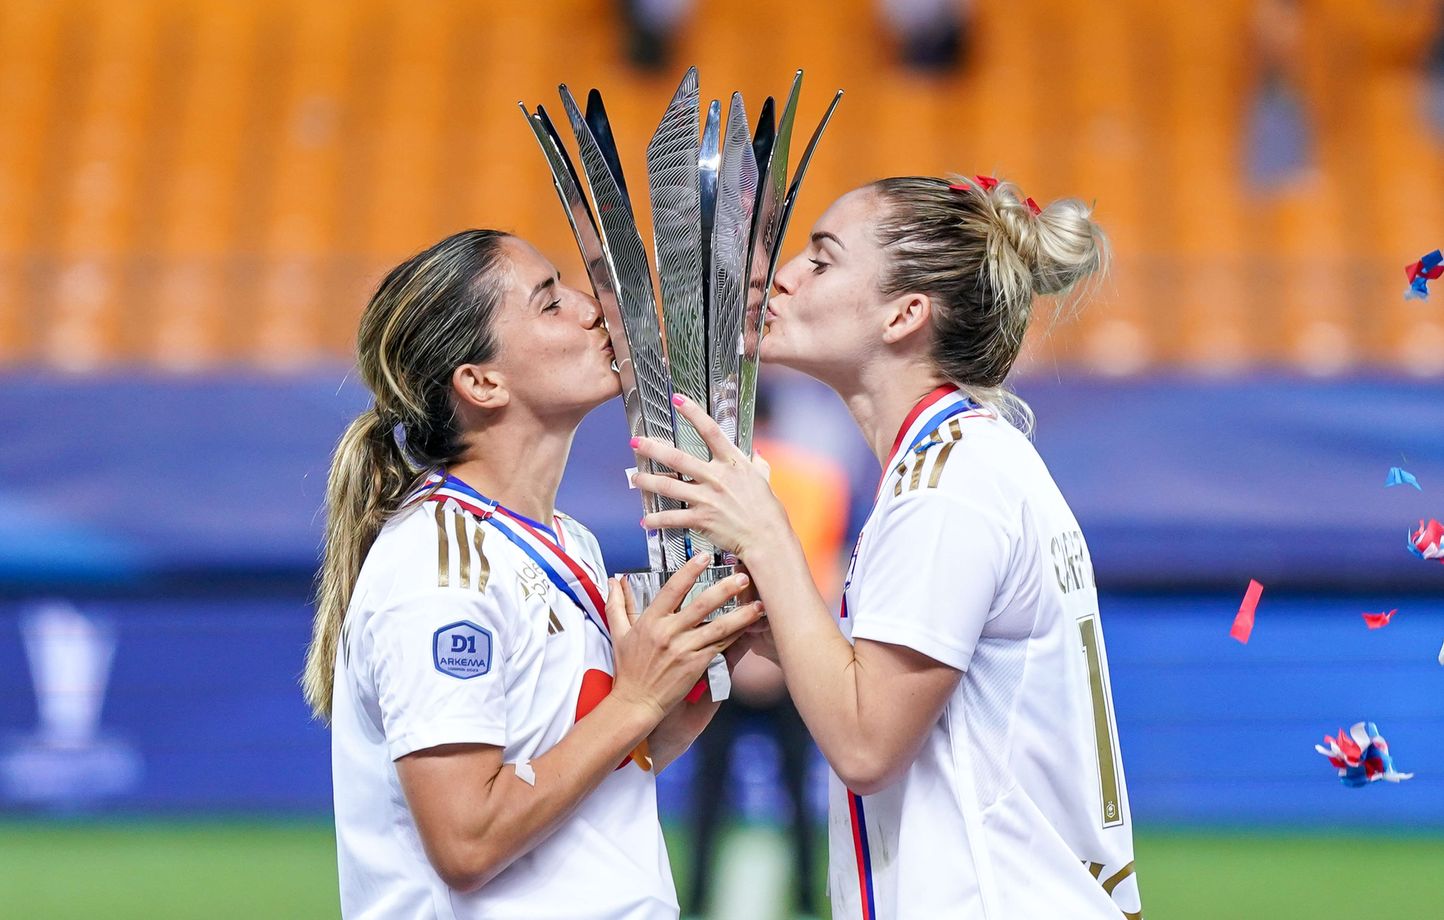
(462,650)
(531,580)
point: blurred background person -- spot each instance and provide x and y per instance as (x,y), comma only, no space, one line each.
(1280,137)
(932,35)
(813,488)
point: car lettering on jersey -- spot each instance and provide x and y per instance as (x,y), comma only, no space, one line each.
(1071,565)
(462,650)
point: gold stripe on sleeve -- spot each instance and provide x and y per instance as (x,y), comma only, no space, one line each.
(443,547)
(483,565)
(939,463)
(917,476)
(463,549)
(1102,724)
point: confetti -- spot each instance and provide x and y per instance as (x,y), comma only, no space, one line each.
(1441,654)
(1243,620)
(1361,756)
(1398,476)
(1428,268)
(1379,620)
(1425,541)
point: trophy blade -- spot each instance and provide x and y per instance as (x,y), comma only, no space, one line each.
(762,141)
(599,270)
(766,242)
(622,242)
(731,234)
(709,161)
(673,179)
(601,126)
(674,182)
(796,186)
(599,267)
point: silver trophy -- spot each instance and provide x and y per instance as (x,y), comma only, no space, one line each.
(720,207)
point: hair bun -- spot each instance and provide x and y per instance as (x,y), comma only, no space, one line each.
(1068,246)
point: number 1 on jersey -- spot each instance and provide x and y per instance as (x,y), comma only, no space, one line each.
(1108,770)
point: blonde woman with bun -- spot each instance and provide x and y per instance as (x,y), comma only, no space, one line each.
(960,693)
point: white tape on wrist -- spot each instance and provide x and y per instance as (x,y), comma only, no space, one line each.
(525,773)
(719,679)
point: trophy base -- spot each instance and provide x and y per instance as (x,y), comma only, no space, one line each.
(647,584)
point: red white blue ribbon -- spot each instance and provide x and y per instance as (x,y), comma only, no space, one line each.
(538,541)
(942,409)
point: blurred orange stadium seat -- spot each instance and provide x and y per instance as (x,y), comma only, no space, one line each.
(29,49)
(189,183)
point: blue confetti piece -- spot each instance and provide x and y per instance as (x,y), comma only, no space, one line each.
(1398,476)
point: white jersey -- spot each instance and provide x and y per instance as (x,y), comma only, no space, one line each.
(1015,807)
(463,629)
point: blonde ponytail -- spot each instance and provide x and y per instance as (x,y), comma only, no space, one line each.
(369,479)
(431,314)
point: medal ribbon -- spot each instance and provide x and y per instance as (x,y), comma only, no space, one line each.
(538,543)
(933,423)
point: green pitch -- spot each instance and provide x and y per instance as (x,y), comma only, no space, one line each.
(245,869)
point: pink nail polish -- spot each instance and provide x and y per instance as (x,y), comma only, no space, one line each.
(636,442)
(678,399)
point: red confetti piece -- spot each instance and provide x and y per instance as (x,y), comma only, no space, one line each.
(1428,541)
(1379,620)
(1243,622)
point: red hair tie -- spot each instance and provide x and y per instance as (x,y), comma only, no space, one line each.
(987,184)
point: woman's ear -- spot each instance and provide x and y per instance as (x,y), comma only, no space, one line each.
(480,387)
(905,316)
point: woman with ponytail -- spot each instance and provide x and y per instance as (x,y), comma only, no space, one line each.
(961,692)
(498,715)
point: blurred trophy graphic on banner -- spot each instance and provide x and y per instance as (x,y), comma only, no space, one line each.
(68,761)
(721,203)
